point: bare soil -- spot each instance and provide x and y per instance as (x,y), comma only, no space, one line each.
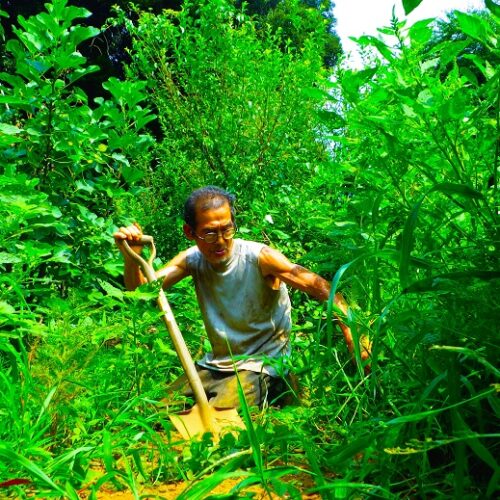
(173,490)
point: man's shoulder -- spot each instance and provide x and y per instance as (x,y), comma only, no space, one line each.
(249,247)
(192,254)
(191,250)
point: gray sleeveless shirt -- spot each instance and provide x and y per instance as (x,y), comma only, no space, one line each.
(238,305)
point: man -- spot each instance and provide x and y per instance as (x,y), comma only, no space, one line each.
(241,289)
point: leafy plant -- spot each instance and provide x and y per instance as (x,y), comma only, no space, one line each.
(428,132)
(234,110)
(81,157)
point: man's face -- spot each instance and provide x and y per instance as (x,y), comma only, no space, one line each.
(212,220)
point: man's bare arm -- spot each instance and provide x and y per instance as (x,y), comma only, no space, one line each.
(274,265)
(171,273)
(174,271)
(132,275)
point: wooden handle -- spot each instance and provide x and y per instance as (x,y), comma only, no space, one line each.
(173,329)
(145,240)
(143,264)
(187,362)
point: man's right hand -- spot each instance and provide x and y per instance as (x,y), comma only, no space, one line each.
(130,233)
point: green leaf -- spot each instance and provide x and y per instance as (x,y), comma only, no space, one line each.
(442,281)
(9,140)
(346,451)
(407,243)
(70,61)
(164,348)
(464,351)
(476,27)
(78,34)
(81,72)
(126,93)
(315,93)
(455,107)
(450,51)
(46,403)
(410,5)
(476,446)
(15,459)
(281,235)
(145,292)
(421,32)
(120,158)
(460,189)
(114,268)
(409,111)
(384,50)
(426,98)
(493,7)
(416,417)
(469,75)
(8,129)
(331,119)
(111,290)
(84,186)
(252,435)
(481,64)
(411,223)
(200,490)
(132,174)
(6,308)
(342,489)
(9,258)
(61,10)
(108,457)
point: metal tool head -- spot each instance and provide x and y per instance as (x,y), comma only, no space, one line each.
(190,423)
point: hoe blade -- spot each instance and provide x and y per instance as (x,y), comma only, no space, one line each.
(189,423)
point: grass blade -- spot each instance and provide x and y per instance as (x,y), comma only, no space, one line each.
(15,458)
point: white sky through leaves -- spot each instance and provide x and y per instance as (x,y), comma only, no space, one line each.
(363,17)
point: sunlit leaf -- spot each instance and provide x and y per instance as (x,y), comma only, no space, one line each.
(368,40)
(6,308)
(9,258)
(410,5)
(8,129)
(421,32)
(476,27)
(493,7)
(111,290)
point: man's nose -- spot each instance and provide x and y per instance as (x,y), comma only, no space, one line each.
(220,236)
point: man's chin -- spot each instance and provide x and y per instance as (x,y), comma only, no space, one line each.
(217,259)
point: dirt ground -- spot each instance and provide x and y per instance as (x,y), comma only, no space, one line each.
(302,481)
(173,490)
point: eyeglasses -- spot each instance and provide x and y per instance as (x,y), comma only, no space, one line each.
(212,237)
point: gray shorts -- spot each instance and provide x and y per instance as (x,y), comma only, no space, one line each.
(221,388)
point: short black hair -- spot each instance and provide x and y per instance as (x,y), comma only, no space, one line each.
(206,198)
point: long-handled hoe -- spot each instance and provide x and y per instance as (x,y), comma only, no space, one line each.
(201,417)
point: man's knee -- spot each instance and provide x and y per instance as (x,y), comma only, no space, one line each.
(259,389)
(285,391)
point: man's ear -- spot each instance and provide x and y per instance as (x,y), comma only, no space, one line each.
(188,232)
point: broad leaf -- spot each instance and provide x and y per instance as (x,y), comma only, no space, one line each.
(410,5)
